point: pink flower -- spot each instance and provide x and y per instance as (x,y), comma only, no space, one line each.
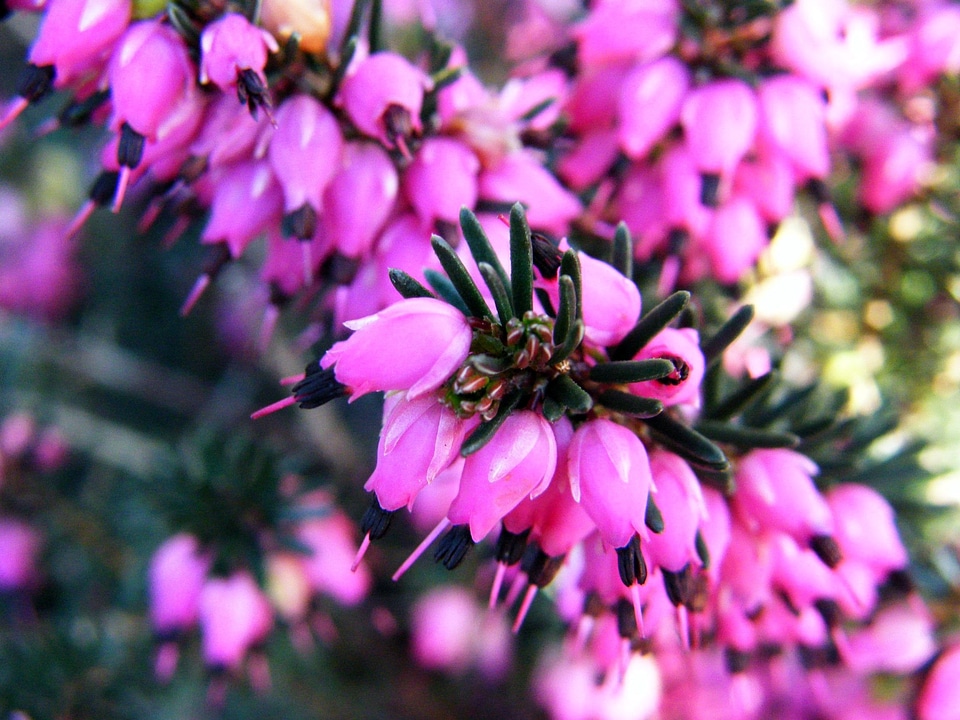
(792,121)
(150,72)
(75,35)
(178,570)
(775,490)
(383,96)
(247,200)
(413,345)
(682,505)
(441,179)
(230,46)
(329,569)
(940,697)
(19,547)
(517,462)
(610,477)
(360,198)
(419,439)
(650,102)
(734,239)
(865,528)
(234,616)
(305,151)
(719,120)
(616,31)
(682,386)
(899,639)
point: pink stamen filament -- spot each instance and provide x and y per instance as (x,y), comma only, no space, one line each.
(360,553)
(497,584)
(524,607)
(273,407)
(427,541)
(637,608)
(198,288)
(122,181)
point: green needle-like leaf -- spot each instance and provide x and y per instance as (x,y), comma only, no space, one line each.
(622,258)
(631,371)
(479,244)
(649,325)
(746,438)
(521,261)
(750,392)
(630,404)
(407,286)
(567,313)
(687,442)
(570,265)
(500,296)
(729,331)
(457,272)
(564,390)
(486,430)
(570,343)
(445,289)
(552,409)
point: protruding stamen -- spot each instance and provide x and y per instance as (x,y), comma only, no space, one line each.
(273,407)
(454,546)
(198,289)
(16,106)
(831,222)
(83,214)
(516,587)
(364,545)
(497,584)
(524,607)
(271,315)
(292,379)
(165,665)
(427,541)
(585,627)
(637,608)
(122,183)
(683,626)
(710,190)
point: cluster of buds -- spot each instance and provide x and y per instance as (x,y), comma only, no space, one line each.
(699,130)
(597,464)
(289,557)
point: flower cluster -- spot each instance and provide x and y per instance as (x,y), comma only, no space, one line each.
(563,418)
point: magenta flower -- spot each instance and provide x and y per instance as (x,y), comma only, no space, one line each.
(177,573)
(383,95)
(865,528)
(419,439)
(19,547)
(518,462)
(734,239)
(413,345)
(330,568)
(441,179)
(719,121)
(305,153)
(617,31)
(775,491)
(940,697)
(234,616)
(650,101)
(792,122)
(682,505)
(360,198)
(234,53)
(610,476)
(682,386)
(246,201)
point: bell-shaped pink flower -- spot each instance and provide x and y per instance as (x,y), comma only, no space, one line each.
(775,491)
(75,35)
(360,198)
(681,503)
(715,529)
(895,170)
(517,462)
(682,386)
(234,616)
(734,239)
(798,572)
(899,639)
(413,345)
(792,122)
(177,573)
(596,151)
(383,95)
(305,151)
(640,204)
(768,181)
(610,476)
(865,528)
(617,31)
(19,547)
(719,121)
(330,567)
(939,698)
(682,191)
(441,179)
(231,45)
(419,439)
(934,46)
(520,177)
(150,71)
(747,569)
(650,102)
(229,133)
(246,201)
